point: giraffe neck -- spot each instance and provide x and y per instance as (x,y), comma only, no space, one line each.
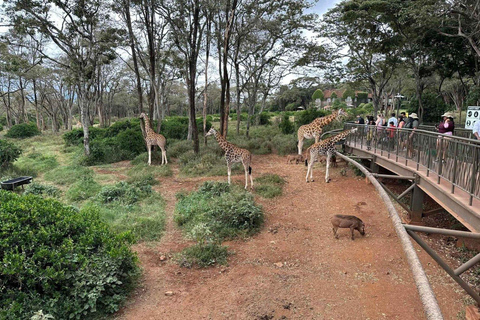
(327,119)
(340,136)
(147,125)
(222,142)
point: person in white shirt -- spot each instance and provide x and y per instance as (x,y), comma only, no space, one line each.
(476,129)
(394,119)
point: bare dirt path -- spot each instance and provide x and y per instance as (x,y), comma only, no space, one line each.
(294,268)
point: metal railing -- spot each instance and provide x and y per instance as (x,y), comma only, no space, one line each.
(459,132)
(451,158)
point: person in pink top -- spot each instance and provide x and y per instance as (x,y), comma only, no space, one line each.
(445,127)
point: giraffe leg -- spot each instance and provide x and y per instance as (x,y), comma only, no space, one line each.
(246,175)
(251,178)
(229,170)
(327,179)
(317,137)
(149,147)
(164,156)
(300,145)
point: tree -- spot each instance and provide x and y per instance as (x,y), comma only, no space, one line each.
(372,47)
(84,37)
(186,24)
(318,95)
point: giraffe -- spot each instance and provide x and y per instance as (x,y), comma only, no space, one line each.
(314,129)
(152,138)
(234,154)
(324,147)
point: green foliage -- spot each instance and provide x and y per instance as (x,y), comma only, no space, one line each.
(349,93)
(23,130)
(318,94)
(1,127)
(227,211)
(286,126)
(286,144)
(42,189)
(62,261)
(263,119)
(83,189)
(37,163)
(67,175)
(203,256)
(269,185)
(9,152)
(307,116)
(434,107)
(124,192)
(177,127)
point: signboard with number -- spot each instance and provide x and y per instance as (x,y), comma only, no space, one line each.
(473,115)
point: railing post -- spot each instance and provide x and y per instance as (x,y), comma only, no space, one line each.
(473,173)
(454,166)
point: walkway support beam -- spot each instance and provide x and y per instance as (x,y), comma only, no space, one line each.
(430,304)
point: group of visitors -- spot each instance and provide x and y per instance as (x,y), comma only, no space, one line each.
(388,134)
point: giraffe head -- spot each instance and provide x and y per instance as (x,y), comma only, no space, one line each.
(142,115)
(341,113)
(211,132)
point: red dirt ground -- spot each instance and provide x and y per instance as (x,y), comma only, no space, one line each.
(294,268)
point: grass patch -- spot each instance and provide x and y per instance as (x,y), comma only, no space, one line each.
(203,256)
(83,189)
(67,175)
(269,185)
(146,219)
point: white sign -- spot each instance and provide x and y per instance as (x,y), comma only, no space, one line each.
(473,115)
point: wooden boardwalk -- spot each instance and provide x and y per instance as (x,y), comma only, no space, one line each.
(435,178)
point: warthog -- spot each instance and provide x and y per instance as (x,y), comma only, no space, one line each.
(294,157)
(344,221)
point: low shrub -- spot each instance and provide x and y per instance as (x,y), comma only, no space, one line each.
(23,130)
(227,211)
(9,152)
(285,144)
(286,126)
(62,261)
(42,189)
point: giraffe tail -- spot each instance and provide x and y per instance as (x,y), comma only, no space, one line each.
(249,170)
(306,163)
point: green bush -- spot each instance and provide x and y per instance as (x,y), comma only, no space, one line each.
(9,152)
(62,261)
(123,125)
(286,126)
(1,127)
(42,189)
(177,127)
(227,211)
(23,130)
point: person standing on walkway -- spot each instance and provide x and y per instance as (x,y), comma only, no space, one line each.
(445,127)
(393,119)
(476,129)
(411,124)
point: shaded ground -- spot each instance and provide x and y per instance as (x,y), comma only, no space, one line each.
(294,268)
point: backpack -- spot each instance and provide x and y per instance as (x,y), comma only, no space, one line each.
(409,123)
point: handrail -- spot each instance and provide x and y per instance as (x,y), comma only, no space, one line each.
(430,304)
(450,158)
